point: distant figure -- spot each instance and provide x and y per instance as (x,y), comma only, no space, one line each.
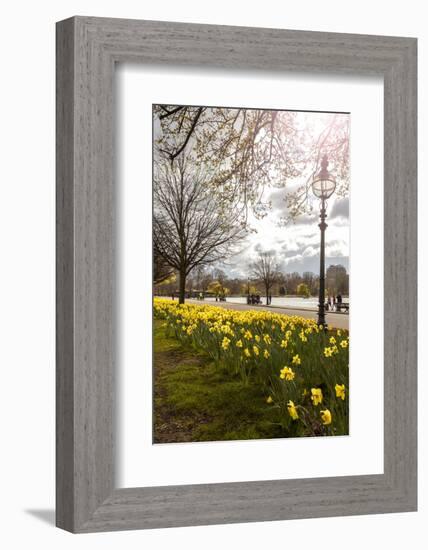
(269,299)
(248,299)
(173,295)
(339,298)
(258,301)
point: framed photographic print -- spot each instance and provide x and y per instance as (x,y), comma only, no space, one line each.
(236,274)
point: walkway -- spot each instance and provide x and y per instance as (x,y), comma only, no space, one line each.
(337,320)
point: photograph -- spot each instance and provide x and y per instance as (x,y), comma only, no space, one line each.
(251,270)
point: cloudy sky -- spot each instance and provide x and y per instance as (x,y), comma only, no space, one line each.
(296,244)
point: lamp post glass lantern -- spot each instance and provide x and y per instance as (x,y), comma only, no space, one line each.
(323,187)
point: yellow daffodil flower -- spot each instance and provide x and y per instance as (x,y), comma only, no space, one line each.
(292,411)
(296,360)
(328,352)
(225,343)
(287,374)
(340,391)
(326,417)
(316,396)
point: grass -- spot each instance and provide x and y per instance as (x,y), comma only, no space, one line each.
(195,401)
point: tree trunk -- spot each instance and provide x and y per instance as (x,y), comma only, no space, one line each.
(267,295)
(182,288)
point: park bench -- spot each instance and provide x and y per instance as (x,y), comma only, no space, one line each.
(338,307)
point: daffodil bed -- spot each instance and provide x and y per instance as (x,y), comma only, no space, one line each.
(300,369)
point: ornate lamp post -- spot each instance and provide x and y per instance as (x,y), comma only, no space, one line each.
(323,186)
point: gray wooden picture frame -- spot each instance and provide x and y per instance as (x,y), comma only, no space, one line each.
(87,50)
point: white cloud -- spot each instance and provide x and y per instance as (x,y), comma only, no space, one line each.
(296,244)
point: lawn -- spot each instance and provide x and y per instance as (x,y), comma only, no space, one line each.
(196,401)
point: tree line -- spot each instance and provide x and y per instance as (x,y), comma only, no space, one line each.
(216,282)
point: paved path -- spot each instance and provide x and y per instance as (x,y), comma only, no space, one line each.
(337,320)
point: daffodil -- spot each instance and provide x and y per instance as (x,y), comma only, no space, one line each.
(340,391)
(292,411)
(239,344)
(269,399)
(332,340)
(287,374)
(344,344)
(225,343)
(326,417)
(296,360)
(256,350)
(266,354)
(247,352)
(316,396)
(328,352)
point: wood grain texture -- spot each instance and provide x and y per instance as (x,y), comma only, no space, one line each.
(64,276)
(87,49)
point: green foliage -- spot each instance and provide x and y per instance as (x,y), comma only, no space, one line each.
(217,288)
(303,290)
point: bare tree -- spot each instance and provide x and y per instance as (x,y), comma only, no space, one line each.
(161,269)
(337,279)
(265,270)
(190,228)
